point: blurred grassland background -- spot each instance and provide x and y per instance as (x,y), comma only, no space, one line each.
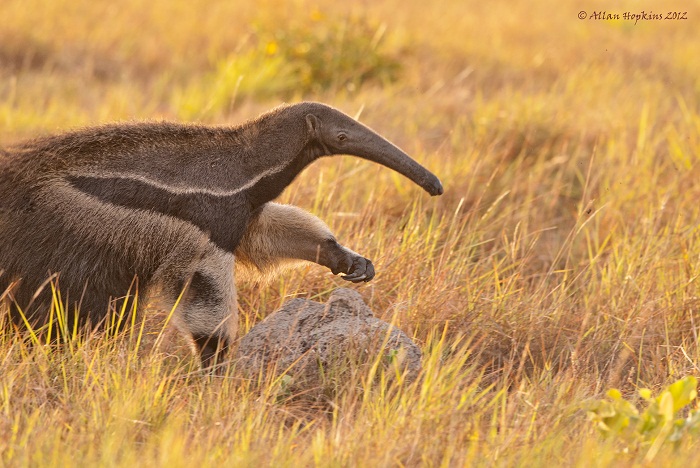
(562,260)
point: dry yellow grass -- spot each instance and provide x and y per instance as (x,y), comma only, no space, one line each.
(562,260)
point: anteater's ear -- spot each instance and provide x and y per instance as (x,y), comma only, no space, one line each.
(313,126)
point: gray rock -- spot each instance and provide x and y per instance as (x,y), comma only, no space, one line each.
(310,341)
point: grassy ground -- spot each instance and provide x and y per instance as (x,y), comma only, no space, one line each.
(562,259)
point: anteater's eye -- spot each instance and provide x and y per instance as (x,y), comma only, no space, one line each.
(342,137)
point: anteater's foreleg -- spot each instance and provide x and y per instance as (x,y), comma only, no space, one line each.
(279,234)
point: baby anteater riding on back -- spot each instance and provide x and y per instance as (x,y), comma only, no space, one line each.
(170,207)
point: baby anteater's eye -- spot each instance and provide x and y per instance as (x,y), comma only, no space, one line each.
(342,136)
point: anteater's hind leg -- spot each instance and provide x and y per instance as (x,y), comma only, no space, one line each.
(207,310)
(280,233)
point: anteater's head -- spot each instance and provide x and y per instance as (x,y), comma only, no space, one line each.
(337,133)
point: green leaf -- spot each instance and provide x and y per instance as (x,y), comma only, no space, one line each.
(657,424)
(683,392)
(649,421)
(666,405)
(604,410)
(616,423)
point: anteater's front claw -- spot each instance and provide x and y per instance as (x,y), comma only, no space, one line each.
(361,270)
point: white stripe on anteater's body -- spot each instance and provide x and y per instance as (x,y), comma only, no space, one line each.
(170,205)
(178,189)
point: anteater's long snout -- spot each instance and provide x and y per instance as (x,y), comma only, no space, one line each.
(377,149)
